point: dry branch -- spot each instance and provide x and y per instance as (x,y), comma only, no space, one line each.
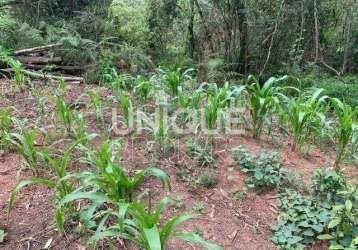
(37,49)
(38,59)
(48,76)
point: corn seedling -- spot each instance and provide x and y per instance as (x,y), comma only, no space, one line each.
(126,106)
(346,118)
(143,88)
(137,224)
(262,100)
(112,178)
(64,113)
(211,111)
(161,134)
(19,77)
(79,132)
(97,104)
(61,183)
(26,147)
(5,125)
(304,116)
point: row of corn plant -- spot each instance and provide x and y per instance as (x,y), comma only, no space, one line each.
(114,207)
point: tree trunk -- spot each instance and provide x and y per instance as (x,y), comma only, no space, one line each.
(243,39)
(316,24)
(191,44)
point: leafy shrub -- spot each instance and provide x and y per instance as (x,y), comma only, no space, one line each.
(268,172)
(301,220)
(243,158)
(327,182)
(345,92)
(265,170)
(343,226)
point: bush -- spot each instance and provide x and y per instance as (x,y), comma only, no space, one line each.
(300,221)
(343,226)
(265,171)
(327,183)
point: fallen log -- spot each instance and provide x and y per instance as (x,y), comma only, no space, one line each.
(56,67)
(48,76)
(37,49)
(38,59)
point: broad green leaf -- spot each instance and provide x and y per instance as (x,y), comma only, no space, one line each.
(23,184)
(153,238)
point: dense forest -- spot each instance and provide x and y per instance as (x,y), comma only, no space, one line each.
(172,124)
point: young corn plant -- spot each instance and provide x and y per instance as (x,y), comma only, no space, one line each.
(262,101)
(19,77)
(5,125)
(80,134)
(161,134)
(345,128)
(136,223)
(148,235)
(173,81)
(63,112)
(112,178)
(60,183)
(143,88)
(97,104)
(304,116)
(26,147)
(126,106)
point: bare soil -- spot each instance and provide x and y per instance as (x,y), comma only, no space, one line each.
(241,223)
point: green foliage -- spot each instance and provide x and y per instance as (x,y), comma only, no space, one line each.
(61,183)
(16,34)
(301,220)
(112,179)
(200,153)
(262,101)
(243,158)
(265,170)
(25,144)
(97,103)
(346,92)
(173,81)
(268,172)
(2,235)
(134,222)
(305,116)
(161,134)
(64,113)
(126,106)
(208,179)
(345,128)
(79,133)
(143,88)
(19,77)
(327,183)
(5,125)
(343,226)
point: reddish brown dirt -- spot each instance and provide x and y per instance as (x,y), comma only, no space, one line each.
(235,224)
